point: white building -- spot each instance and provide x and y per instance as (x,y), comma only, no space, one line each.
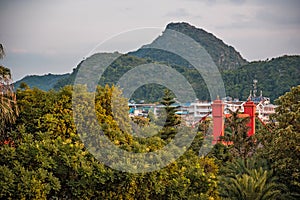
(199,109)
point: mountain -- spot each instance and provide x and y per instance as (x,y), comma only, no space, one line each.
(223,55)
(43,82)
(275,76)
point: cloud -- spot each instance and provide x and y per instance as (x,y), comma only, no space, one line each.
(288,3)
(216,2)
(279,17)
(180,12)
(238,2)
(263,15)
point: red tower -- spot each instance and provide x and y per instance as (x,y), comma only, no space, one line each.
(250,109)
(218,119)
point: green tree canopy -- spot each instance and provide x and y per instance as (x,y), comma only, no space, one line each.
(171,119)
(49,161)
(8,104)
(281,146)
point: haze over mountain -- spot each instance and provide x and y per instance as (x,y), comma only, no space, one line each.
(274,76)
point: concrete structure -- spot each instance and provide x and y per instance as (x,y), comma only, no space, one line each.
(250,109)
(200,108)
(218,119)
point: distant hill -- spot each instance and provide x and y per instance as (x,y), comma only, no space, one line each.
(275,77)
(224,56)
(43,82)
(112,73)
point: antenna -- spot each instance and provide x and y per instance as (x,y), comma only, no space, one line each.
(254,87)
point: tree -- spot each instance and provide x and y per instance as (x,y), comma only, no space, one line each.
(250,179)
(34,104)
(281,146)
(141,121)
(236,134)
(171,119)
(254,185)
(49,161)
(2,53)
(8,104)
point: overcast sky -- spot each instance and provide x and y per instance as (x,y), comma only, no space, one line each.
(44,36)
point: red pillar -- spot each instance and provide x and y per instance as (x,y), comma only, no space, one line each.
(218,119)
(250,109)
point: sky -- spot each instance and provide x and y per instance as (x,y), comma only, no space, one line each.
(41,36)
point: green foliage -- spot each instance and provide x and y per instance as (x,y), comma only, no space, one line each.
(49,161)
(239,166)
(287,112)
(8,105)
(33,104)
(255,184)
(236,135)
(221,153)
(48,167)
(5,73)
(171,119)
(281,145)
(270,168)
(250,179)
(8,110)
(141,121)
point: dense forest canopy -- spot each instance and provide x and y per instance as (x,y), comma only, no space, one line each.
(46,159)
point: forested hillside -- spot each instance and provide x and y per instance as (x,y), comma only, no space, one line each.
(43,82)
(275,77)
